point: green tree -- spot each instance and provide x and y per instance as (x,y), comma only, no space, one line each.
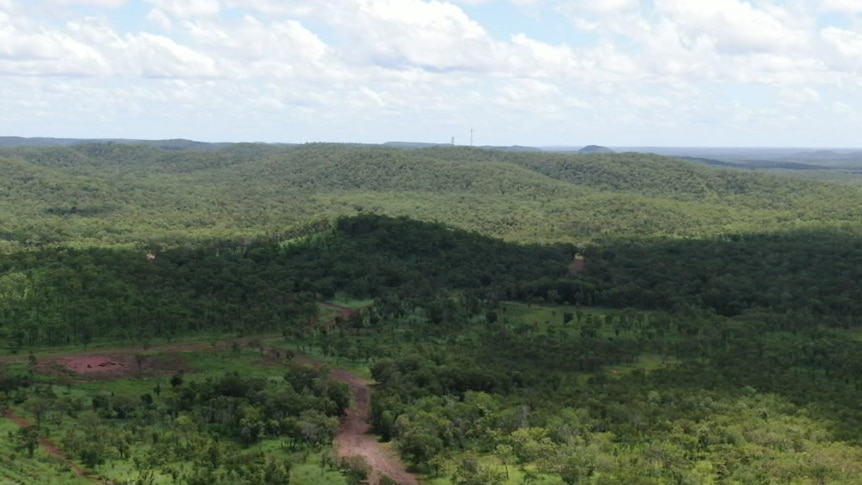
(27,438)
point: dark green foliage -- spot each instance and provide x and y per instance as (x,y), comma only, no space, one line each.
(719,401)
(806,272)
(368,255)
(355,469)
(249,410)
(66,296)
(27,439)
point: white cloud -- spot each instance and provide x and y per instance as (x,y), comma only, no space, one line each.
(109,4)
(253,40)
(600,6)
(844,6)
(413,34)
(736,27)
(275,7)
(843,47)
(160,19)
(27,50)
(799,96)
(187,8)
(305,69)
(161,56)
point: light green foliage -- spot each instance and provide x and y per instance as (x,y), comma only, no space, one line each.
(214,427)
(106,194)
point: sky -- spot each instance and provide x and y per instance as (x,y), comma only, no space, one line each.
(511,72)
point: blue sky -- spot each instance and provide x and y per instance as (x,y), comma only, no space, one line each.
(525,72)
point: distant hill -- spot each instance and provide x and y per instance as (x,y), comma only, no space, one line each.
(828,157)
(418,145)
(112,193)
(513,148)
(171,144)
(412,144)
(595,149)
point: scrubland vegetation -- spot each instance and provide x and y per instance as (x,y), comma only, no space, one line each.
(526,317)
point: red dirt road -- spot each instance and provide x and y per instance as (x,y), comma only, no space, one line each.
(355,439)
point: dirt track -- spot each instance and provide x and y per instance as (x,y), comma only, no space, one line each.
(354,437)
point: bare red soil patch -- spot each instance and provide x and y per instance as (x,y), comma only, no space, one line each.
(579,265)
(115,365)
(93,365)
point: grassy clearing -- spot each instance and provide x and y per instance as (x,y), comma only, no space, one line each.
(326,313)
(360,369)
(346,300)
(310,473)
(113,346)
(546,316)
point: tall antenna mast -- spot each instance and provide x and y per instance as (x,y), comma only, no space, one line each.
(453,141)
(471,136)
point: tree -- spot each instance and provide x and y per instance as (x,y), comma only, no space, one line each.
(27,438)
(356,469)
(470,471)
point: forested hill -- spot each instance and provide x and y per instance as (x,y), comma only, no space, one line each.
(60,296)
(114,194)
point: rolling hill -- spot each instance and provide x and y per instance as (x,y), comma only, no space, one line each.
(115,194)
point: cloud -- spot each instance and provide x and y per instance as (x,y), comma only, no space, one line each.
(843,48)
(275,7)
(254,49)
(405,34)
(187,8)
(161,56)
(735,27)
(306,69)
(843,6)
(109,4)
(599,6)
(26,50)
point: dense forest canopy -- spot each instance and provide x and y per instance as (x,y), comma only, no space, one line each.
(528,317)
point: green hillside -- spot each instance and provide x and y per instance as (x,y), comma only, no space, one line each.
(688,325)
(97,194)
